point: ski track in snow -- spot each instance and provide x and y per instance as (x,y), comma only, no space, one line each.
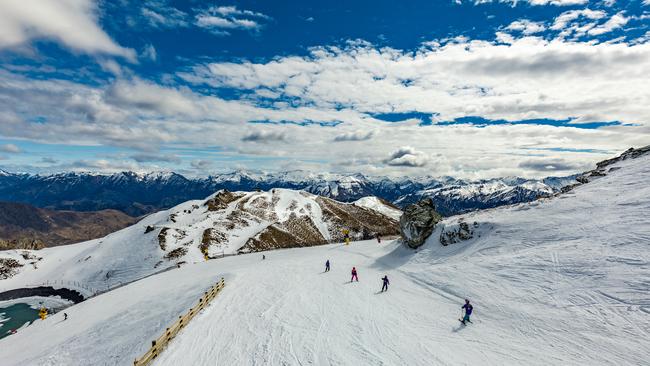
(562,281)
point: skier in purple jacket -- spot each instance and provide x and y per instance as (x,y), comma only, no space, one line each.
(468,311)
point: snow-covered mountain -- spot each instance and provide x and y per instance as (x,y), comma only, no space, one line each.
(138,194)
(225,223)
(559,281)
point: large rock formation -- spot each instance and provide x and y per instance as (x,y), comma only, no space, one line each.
(418,222)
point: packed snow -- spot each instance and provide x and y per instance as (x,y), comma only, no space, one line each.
(561,281)
(376,204)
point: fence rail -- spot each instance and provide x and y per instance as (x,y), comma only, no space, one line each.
(158,345)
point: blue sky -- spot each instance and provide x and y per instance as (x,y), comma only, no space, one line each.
(471,89)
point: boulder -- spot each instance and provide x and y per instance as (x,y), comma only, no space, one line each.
(418,222)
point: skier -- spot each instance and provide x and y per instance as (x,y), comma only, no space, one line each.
(354,275)
(327,265)
(65,316)
(384,287)
(468,311)
(378,239)
(263,257)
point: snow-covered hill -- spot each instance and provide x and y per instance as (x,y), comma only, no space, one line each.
(225,223)
(560,281)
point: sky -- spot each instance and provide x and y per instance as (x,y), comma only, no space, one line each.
(469,89)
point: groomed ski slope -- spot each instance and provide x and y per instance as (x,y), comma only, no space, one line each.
(563,281)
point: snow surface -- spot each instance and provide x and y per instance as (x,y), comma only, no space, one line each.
(375,203)
(561,281)
(130,254)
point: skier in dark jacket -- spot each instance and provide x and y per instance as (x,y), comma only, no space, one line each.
(468,311)
(384,286)
(327,265)
(354,274)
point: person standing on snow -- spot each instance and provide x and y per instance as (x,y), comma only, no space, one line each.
(65,316)
(378,239)
(384,287)
(354,275)
(468,311)
(327,265)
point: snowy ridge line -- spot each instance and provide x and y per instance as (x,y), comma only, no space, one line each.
(158,345)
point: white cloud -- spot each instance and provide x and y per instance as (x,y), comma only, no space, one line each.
(558,2)
(10,148)
(407,157)
(222,18)
(616,21)
(264,136)
(532,2)
(529,78)
(564,19)
(526,26)
(159,14)
(72,23)
(354,136)
(149,52)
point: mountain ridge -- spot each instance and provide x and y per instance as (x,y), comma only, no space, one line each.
(137,194)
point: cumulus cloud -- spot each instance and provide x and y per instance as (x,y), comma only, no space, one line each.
(407,157)
(616,21)
(526,26)
(348,87)
(354,136)
(10,148)
(564,19)
(73,23)
(262,136)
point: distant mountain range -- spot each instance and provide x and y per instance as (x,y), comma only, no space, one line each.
(138,194)
(24,226)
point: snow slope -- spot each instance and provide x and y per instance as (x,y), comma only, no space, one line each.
(224,223)
(561,281)
(376,204)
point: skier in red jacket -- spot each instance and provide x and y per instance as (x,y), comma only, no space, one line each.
(354,275)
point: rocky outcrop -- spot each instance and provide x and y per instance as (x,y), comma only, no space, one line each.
(457,232)
(418,222)
(604,167)
(8,267)
(22,243)
(221,200)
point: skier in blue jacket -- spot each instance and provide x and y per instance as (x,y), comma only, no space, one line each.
(468,311)
(384,287)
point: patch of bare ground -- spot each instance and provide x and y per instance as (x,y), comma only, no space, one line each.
(297,231)
(176,253)
(221,200)
(8,267)
(212,237)
(362,222)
